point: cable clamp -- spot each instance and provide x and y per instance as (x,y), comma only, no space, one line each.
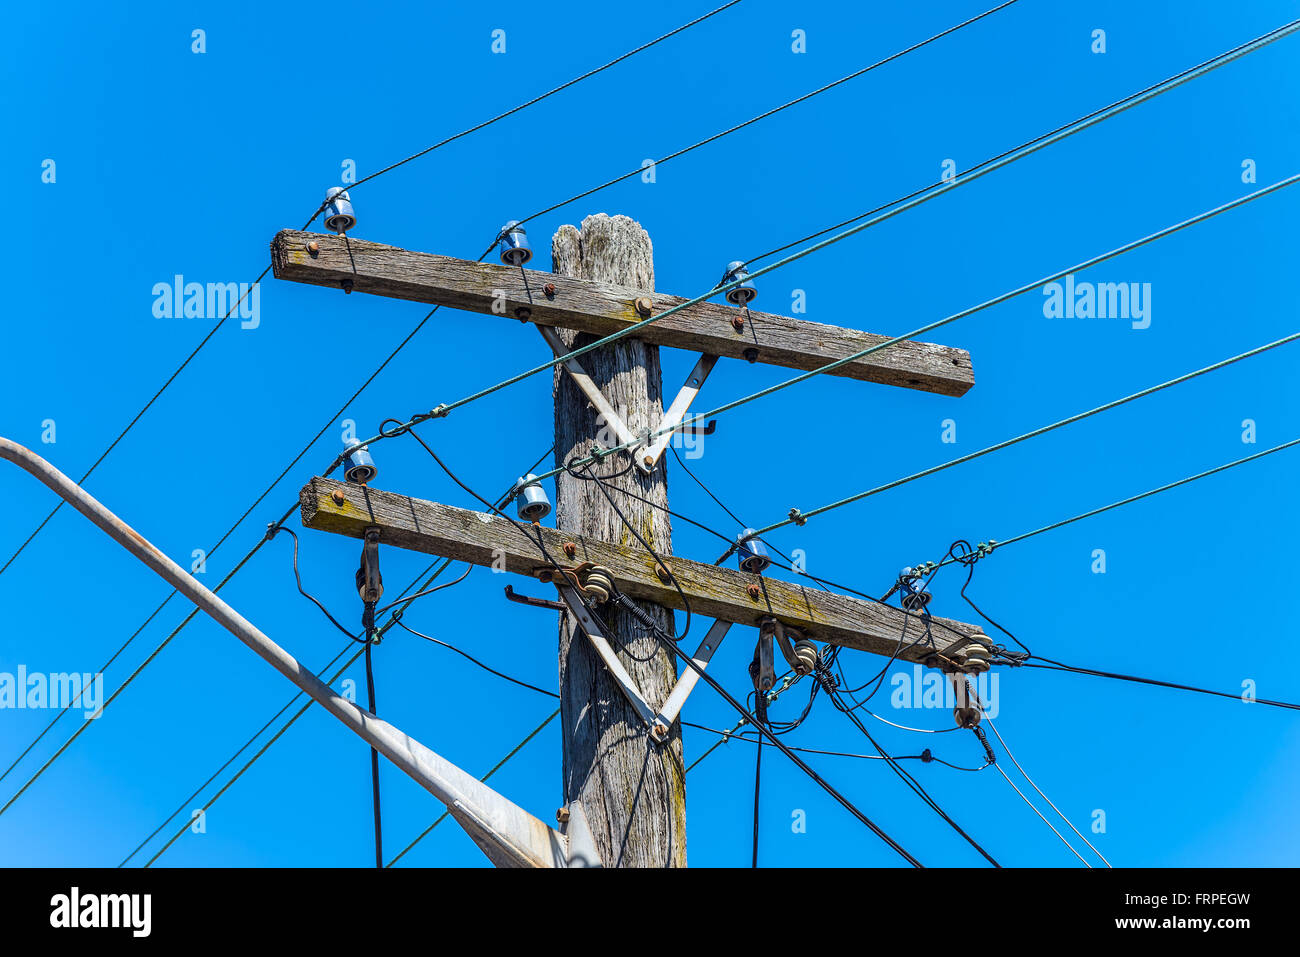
(798,517)
(439,411)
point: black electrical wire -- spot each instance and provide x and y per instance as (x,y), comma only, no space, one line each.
(764,115)
(393,618)
(271,533)
(229,761)
(466,655)
(909,780)
(670,642)
(213,331)
(374,754)
(758,779)
(969,557)
(1015,149)
(534,100)
(1058,666)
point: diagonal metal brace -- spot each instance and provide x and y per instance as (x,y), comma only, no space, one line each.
(659,721)
(686,683)
(596,635)
(672,419)
(597,398)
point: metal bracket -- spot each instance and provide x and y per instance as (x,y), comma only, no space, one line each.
(686,683)
(596,635)
(581,850)
(596,397)
(646,459)
(672,419)
(514,596)
(658,721)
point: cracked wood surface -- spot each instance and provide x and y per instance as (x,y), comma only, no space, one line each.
(602,302)
(714,591)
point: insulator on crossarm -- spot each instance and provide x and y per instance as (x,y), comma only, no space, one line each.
(743,294)
(358,467)
(752,553)
(533,503)
(914,597)
(339,217)
(514,245)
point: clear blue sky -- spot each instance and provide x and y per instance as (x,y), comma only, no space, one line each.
(170,162)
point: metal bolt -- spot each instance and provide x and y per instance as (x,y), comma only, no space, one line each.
(754,592)
(562,815)
(549,289)
(660,730)
(347,286)
(664,574)
(649,460)
(644,306)
(523,313)
(738,323)
(313,247)
(570,549)
(751,355)
(338,496)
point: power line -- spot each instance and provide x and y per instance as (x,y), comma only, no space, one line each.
(1058,666)
(669,642)
(125,684)
(762,393)
(906,778)
(1030,803)
(534,100)
(229,761)
(1136,498)
(495,768)
(213,331)
(1034,433)
(993,728)
(772,112)
(956,182)
(404,600)
(266,747)
(871,212)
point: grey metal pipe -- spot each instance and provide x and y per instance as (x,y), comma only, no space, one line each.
(508,835)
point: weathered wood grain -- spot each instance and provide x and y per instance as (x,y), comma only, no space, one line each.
(634,796)
(714,592)
(603,307)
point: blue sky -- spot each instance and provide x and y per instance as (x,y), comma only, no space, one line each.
(171,162)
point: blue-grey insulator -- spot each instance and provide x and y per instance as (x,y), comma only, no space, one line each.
(359,467)
(533,503)
(515,250)
(752,553)
(914,597)
(743,294)
(339,217)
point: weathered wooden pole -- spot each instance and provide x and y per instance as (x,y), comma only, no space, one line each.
(632,791)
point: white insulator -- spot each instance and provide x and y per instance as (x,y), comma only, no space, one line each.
(806,652)
(599,583)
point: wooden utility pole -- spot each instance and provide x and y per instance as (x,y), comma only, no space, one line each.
(623,775)
(632,791)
